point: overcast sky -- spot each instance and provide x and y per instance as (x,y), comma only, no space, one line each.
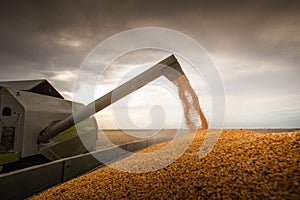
(254,44)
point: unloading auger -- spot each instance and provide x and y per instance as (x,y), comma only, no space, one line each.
(37,122)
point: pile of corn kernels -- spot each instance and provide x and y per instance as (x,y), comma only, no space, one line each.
(243,164)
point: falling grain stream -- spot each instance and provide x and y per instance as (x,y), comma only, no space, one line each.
(192,110)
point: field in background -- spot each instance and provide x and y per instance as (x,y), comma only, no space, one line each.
(118,137)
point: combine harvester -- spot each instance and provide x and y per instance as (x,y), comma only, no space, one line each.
(37,126)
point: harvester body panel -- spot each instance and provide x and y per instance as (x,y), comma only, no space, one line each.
(25,113)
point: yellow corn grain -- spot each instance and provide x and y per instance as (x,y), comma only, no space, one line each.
(243,164)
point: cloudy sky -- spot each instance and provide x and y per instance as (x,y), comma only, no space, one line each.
(255,46)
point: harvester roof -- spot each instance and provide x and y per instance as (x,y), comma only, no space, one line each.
(41,86)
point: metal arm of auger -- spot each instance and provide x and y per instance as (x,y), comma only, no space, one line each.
(169,67)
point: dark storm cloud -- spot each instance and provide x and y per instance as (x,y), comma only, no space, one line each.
(43,32)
